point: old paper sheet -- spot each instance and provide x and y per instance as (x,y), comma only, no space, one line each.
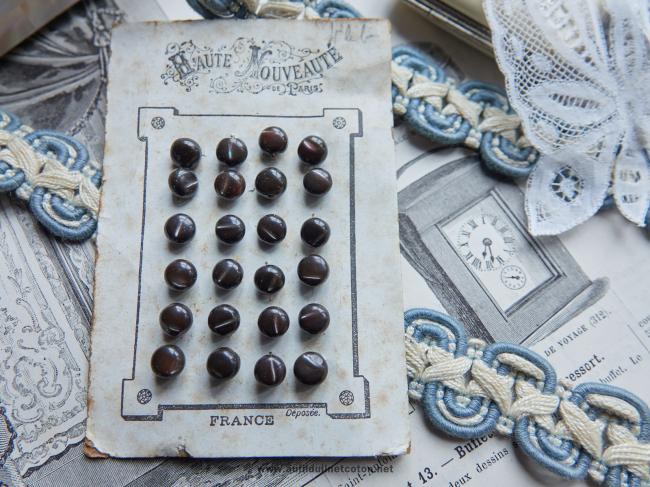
(324,78)
(606,246)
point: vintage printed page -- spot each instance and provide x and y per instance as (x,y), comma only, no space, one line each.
(209,80)
(59,277)
(603,338)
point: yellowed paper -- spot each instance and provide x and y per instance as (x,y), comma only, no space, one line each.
(208,80)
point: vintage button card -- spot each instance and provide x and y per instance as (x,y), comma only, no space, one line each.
(248,299)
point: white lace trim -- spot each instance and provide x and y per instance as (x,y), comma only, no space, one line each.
(578,74)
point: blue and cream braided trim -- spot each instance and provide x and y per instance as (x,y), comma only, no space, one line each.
(54,174)
(474,114)
(469,389)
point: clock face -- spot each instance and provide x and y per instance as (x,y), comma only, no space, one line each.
(513,277)
(494,247)
(486,242)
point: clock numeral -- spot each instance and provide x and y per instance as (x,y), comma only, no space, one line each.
(500,260)
(508,240)
(465,233)
(476,264)
(472,224)
(468,256)
(488,265)
(503,229)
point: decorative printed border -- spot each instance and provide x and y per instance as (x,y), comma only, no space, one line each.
(353,286)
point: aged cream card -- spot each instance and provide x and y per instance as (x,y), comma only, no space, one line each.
(207,81)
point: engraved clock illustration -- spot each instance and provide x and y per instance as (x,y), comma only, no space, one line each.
(464,232)
(486,242)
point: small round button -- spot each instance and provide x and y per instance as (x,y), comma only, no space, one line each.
(271,229)
(270,370)
(313,270)
(312,150)
(315,232)
(224,319)
(183,183)
(271,182)
(232,151)
(310,368)
(273,140)
(185,153)
(317,181)
(230,229)
(175,319)
(227,274)
(273,321)
(168,361)
(180,274)
(269,279)
(229,184)
(314,318)
(223,363)
(180,228)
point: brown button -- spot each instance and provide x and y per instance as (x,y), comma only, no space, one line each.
(175,319)
(269,279)
(230,229)
(315,232)
(313,270)
(273,140)
(270,370)
(271,182)
(312,150)
(185,152)
(314,318)
(317,181)
(271,229)
(180,274)
(180,228)
(223,363)
(227,274)
(232,151)
(183,183)
(273,321)
(168,361)
(310,368)
(229,184)
(223,319)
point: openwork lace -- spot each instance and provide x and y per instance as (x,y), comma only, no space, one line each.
(577,72)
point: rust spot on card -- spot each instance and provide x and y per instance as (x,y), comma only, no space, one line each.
(91,452)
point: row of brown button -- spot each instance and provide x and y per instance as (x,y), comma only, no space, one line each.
(227,274)
(232,151)
(309,368)
(230,184)
(176,319)
(270,183)
(230,229)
